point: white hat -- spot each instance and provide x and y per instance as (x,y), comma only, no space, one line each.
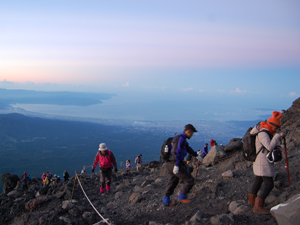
(102,147)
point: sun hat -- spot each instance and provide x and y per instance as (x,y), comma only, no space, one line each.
(102,147)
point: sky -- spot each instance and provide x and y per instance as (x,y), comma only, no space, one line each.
(219,55)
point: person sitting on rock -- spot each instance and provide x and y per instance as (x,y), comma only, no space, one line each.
(107,161)
(264,170)
(66,176)
(176,167)
(128,165)
(212,143)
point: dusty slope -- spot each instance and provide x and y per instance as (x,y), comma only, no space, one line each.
(212,196)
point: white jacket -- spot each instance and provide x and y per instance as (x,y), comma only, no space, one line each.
(261,166)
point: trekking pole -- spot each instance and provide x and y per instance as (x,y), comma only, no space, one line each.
(195,179)
(286,160)
(74,185)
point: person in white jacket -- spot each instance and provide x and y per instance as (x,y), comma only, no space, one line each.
(266,140)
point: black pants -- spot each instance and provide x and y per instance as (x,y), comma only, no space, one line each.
(173,180)
(269,184)
(105,177)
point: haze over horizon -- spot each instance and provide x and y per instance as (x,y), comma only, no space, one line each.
(163,60)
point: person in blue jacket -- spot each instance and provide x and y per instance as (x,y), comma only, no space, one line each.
(176,167)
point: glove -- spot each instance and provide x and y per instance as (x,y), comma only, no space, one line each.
(93,170)
(176,169)
(116,170)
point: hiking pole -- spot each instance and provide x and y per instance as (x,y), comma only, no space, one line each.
(74,185)
(286,160)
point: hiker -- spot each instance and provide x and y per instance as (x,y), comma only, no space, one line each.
(176,167)
(66,175)
(43,176)
(264,171)
(204,151)
(83,170)
(138,161)
(25,180)
(128,165)
(56,179)
(212,143)
(106,161)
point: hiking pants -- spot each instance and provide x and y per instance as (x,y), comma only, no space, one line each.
(268,186)
(183,174)
(105,177)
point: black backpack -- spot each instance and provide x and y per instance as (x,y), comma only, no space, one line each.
(249,149)
(165,151)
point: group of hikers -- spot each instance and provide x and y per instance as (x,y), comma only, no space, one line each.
(266,140)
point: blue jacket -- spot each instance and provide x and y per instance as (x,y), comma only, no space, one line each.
(205,150)
(183,149)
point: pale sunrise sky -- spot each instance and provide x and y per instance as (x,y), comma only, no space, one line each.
(186,48)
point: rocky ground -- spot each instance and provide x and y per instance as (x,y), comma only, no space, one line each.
(219,196)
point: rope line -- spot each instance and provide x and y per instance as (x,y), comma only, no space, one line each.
(90,201)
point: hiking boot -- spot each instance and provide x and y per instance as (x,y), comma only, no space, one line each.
(108,187)
(258,206)
(102,190)
(183,198)
(251,199)
(167,201)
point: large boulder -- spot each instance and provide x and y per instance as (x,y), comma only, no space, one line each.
(234,145)
(9,182)
(287,213)
(214,154)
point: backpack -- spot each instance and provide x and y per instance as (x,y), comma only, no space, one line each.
(165,151)
(249,149)
(135,160)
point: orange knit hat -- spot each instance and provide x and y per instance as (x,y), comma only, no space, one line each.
(272,123)
(274,120)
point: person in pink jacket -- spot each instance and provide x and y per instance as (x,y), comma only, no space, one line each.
(106,161)
(266,140)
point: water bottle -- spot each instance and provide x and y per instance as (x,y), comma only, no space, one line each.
(166,148)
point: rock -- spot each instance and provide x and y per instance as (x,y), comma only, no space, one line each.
(227,174)
(287,213)
(138,189)
(154,223)
(9,182)
(67,205)
(135,198)
(145,183)
(243,209)
(158,180)
(234,144)
(196,219)
(89,217)
(65,219)
(118,195)
(222,219)
(73,212)
(34,203)
(283,197)
(120,187)
(271,200)
(213,155)
(235,204)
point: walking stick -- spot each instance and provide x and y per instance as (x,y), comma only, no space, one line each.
(286,160)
